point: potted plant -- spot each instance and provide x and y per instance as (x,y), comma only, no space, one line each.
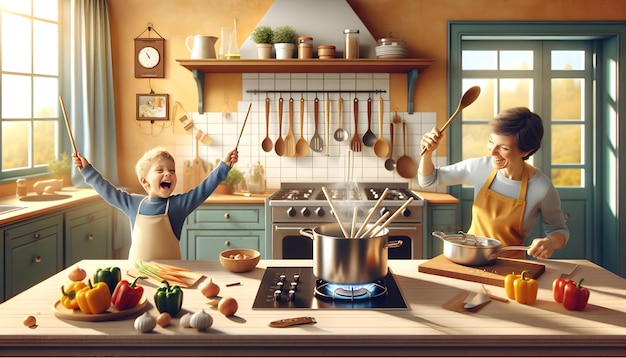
(60,169)
(284,39)
(227,186)
(263,37)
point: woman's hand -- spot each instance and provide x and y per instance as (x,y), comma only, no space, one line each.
(232,157)
(79,161)
(430,140)
(543,248)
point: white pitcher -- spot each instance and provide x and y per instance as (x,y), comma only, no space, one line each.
(203,46)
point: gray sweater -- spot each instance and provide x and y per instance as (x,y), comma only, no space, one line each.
(542,199)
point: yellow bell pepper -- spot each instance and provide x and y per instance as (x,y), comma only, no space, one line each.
(68,299)
(525,289)
(508,284)
(94,299)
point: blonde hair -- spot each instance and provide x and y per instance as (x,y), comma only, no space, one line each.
(144,163)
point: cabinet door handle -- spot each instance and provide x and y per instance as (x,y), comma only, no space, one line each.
(37,259)
(227,216)
(37,236)
(227,243)
(90,237)
(91,217)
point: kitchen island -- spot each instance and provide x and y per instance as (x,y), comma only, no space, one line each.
(425,328)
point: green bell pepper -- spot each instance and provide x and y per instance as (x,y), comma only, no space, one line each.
(169,299)
(110,275)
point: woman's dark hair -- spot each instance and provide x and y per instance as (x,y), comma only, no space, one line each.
(525,126)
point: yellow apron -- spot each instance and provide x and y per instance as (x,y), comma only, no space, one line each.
(500,217)
(153,237)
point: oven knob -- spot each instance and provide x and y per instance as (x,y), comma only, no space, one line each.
(280,286)
(292,295)
(277,295)
(294,286)
(282,278)
(305,212)
(320,212)
(296,278)
(406,213)
(291,212)
(383,211)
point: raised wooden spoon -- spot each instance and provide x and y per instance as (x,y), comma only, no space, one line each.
(468,98)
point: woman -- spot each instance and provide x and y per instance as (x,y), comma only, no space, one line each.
(509,193)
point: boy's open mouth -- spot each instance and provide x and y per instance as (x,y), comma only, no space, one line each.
(166,185)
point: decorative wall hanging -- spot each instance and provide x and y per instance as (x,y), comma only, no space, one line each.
(153,107)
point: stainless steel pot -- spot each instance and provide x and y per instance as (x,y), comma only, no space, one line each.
(338,259)
(472,250)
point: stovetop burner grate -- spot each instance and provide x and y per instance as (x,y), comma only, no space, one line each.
(337,291)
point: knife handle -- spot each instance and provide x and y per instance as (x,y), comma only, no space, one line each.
(282,323)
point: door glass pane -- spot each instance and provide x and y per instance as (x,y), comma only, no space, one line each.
(568,177)
(485,106)
(567,60)
(46,48)
(516,92)
(46,97)
(479,60)
(15,152)
(16,44)
(516,60)
(567,143)
(16,95)
(45,148)
(475,138)
(567,98)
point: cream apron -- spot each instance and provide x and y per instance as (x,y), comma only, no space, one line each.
(500,217)
(153,237)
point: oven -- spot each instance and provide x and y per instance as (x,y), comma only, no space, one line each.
(303,205)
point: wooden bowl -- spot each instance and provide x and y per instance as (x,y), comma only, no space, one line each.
(240,265)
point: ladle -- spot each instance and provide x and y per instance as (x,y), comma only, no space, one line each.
(369,138)
(406,166)
(267,144)
(279,146)
(340,134)
(381,148)
(468,98)
(390,164)
(302,147)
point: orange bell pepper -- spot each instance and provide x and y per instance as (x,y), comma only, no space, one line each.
(68,299)
(94,299)
(525,289)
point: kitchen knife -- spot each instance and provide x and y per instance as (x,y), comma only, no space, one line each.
(282,323)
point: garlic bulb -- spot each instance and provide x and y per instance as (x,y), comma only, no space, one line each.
(201,320)
(185,320)
(145,323)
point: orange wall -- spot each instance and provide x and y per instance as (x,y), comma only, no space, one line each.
(422,23)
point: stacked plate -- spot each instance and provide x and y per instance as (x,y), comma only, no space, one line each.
(391,51)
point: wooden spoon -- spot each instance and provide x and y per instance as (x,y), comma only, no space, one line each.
(406,166)
(369,138)
(468,98)
(267,144)
(279,147)
(302,147)
(381,148)
(290,141)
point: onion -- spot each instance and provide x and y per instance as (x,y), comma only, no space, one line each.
(77,274)
(227,306)
(210,289)
(30,321)
(164,319)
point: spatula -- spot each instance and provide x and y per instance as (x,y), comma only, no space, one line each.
(317,143)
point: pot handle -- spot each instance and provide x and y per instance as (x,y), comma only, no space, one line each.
(510,248)
(393,244)
(440,235)
(308,232)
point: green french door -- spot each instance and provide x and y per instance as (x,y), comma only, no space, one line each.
(554,79)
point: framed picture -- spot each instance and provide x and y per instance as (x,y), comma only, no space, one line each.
(153,107)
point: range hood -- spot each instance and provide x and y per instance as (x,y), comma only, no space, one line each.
(324,20)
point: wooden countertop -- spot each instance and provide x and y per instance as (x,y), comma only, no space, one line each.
(499,329)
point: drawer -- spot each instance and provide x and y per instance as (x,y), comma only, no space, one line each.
(21,234)
(207,245)
(228,217)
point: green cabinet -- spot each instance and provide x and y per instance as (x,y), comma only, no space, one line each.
(211,229)
(439,217)
(88,233)
(33,252)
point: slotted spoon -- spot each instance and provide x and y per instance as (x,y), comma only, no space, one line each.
(340,134)
(317,143)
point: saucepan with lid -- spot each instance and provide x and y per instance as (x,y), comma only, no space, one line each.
(472,250)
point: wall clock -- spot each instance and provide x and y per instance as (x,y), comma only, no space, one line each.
(149,57)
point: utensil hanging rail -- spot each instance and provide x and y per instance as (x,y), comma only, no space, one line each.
(316,91)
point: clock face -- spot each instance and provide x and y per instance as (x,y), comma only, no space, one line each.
(148,57)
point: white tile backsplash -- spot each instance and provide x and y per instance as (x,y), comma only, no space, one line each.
(316,166)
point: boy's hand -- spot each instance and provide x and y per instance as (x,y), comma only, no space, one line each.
(232,157)
(79,161)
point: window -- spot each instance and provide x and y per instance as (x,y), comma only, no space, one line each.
(29,87)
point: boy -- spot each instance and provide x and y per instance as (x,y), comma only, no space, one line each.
(156,219)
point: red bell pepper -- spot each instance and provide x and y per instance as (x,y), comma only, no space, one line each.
(575,297)
(127,295)
(557,288)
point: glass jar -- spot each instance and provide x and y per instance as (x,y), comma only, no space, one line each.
(256,179)
(305,47)
(21,187)
(351,45)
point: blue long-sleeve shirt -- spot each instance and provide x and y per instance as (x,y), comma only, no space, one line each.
(181,205)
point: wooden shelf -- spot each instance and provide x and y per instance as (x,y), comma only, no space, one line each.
(410,66)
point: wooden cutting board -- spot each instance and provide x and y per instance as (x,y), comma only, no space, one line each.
(491,275)
(194,171)
(195,277)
